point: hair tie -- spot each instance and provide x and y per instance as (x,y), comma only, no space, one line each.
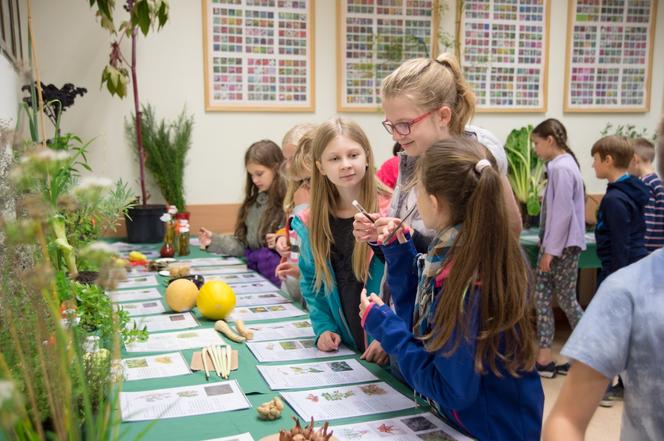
(481,165)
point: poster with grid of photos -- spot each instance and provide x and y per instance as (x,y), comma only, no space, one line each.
(609,55)
(373,38)
(504,46)
(259,55)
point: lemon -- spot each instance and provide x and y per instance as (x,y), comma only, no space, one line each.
(215,300)
(181,295)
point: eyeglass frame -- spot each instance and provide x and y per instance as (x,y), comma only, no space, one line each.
(390,127)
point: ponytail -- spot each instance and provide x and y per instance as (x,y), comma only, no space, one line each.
(486,252)
(431,84)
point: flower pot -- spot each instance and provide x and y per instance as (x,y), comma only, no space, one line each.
(527,220)
(144,224)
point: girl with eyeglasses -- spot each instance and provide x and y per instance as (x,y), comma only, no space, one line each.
(334,267)
(261,212)
(462,329)
(426,100)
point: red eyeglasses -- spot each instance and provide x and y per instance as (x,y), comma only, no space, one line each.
(403,128)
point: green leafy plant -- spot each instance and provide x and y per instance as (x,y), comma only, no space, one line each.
(628,131)
(525,169)
(143,15)
(166,145)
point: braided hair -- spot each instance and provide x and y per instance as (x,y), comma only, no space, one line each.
(554,128)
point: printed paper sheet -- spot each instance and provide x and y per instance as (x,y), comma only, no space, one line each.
(288,350)
(142,308)
(177,341)
(155,366)
(266,312)
(281,330)
(167,322)
(134,295)
(266,298)
(319,374)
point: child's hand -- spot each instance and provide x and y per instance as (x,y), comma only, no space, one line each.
(386,226)
(375,354)
(204,237)
(329,341)
(285,269)
(545,263)
(366,301)
(282,247)
(270,240)
(363,229)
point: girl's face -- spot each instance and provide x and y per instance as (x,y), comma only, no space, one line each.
(435,213)
(423,133)
(344,162)
(544,147)
(261,176)
(288,151)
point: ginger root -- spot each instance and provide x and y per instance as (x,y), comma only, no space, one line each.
(307,433)
(243,331)
(222,326)
(270,410)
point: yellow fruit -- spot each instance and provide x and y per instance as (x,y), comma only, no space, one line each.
(215,300)
(136,256)
(181,295)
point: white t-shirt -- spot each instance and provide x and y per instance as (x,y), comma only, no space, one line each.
(622,332)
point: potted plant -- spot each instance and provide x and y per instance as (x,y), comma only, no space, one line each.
(166,145)
(525,174)
(143,224)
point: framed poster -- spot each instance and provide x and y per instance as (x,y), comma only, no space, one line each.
(504,53)
(259,55)
(373,38)
(608,61)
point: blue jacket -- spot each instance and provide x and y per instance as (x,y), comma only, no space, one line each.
(484,406)
(621,228)
(324,307)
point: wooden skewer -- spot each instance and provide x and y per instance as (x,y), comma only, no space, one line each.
(222,354)
(205,365)
(229,358)
(217,360)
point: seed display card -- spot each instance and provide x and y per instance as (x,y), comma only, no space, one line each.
(134,295)
(288,350)
(210,270)
(319,374)
(142,281)
(252,288)
(141,308)
(281,330)
(420,427)
(166,322)
(347,401)
(177,341)
(232,279)
(265,312)
(182,401)
(212,261)
(266,298)
(155,366)
(241,437)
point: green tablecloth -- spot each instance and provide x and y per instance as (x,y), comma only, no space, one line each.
(588,258)
(215,425)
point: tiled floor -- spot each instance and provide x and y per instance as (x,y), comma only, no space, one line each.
(605,425)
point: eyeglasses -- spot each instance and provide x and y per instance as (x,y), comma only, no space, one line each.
(403,128)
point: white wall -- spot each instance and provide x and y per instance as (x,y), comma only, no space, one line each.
(8,91)
(73,48)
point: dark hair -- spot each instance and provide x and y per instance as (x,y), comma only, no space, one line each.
(396,148)
(268,154)
(616,146)
(554,128)
(644,149)
(487,252)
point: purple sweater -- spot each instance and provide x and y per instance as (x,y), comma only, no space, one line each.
(564,206)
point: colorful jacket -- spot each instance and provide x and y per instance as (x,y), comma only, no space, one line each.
(324,307)
(484,406)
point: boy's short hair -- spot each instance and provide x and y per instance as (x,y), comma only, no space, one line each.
(616,146)
(644,149)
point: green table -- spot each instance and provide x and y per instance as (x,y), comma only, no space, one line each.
(216,425)
(588,259)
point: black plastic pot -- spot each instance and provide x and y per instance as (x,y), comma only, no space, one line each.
(144,225)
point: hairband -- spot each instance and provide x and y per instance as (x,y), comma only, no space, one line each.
(481,165)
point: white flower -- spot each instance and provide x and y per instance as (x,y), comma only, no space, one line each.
(166,217)
(46,155)
(7,390)
(93,182)
(172,209)
(101,247)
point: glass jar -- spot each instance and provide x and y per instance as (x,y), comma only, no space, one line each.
(183,241)
(168,248)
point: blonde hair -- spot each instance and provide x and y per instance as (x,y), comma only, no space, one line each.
(301,166)
(644,149)
(487,252)
(432,84)
(296,132)
(325,197)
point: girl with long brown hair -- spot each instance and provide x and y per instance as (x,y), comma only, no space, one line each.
(261,212)
(462,333)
